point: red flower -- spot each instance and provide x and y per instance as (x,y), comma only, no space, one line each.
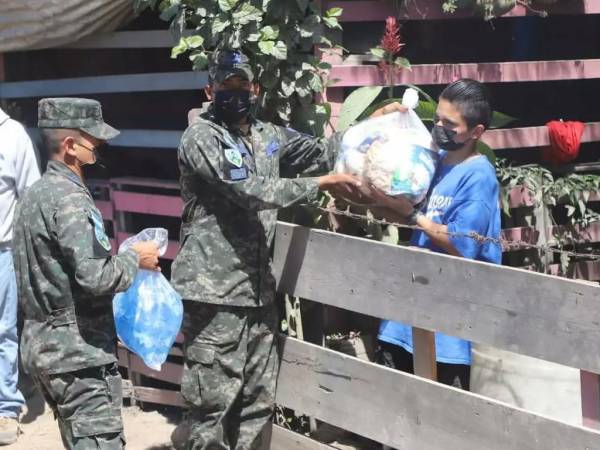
(390,42)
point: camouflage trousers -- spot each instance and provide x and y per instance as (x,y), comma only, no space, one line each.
(230,375)
(87,405)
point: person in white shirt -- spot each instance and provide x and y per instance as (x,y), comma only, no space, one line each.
(18,170)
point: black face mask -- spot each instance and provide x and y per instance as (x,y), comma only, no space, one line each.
(232,106)
(444,139)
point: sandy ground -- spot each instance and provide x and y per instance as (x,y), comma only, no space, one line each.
(144,430)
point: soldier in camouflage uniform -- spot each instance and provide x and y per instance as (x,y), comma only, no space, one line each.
(236,172)
(66,279)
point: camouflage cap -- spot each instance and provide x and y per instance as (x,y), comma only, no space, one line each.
(75,113)
(227,63)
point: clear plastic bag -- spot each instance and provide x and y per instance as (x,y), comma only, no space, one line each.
(392,152)
(148,315)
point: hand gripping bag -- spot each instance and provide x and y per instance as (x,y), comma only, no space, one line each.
(148,315)
(392,152)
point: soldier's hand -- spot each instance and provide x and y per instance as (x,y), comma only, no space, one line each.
(148,255)
(344,186)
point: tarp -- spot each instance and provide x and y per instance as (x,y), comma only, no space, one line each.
(35,24)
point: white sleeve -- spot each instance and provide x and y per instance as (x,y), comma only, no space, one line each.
(27,171)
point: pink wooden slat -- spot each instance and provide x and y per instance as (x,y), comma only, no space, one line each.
(146,182)
(105,208)
(160,205)
(590,399)
(365,11)
(532,136)
(525,234)
(520,196)
(172,247)
(528,235)
(502,72)
(584,270)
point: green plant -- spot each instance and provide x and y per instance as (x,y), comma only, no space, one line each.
(279,37)
(572,191)
(489,9)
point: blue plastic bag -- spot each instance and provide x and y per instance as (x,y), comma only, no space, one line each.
(148,315)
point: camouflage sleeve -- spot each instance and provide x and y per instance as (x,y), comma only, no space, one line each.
(201,154)
(303,154)
(86,249)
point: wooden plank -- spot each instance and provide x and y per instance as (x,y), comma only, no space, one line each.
(167,139)
(532,136)
(172,247)
(127,39)
(494,72)
(105,208)
(582,270)
(120,182)
(571,235)
(372,11)
(284,439)
(538,315)
(590,399)
(160,205)
(408,412)
(424,359)
(160,396)
(169,372)
(143,82)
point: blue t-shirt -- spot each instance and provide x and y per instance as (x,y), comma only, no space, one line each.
(465,197)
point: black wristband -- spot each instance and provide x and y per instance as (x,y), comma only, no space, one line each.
(413,216)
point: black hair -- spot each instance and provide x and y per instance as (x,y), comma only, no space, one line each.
(52,138)
(472,99)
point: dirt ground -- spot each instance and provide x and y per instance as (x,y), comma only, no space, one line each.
(148,429)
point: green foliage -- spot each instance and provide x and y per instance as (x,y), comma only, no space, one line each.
(279,37)
(572,191)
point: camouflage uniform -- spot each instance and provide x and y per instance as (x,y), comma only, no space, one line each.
(232,184)
(66,278)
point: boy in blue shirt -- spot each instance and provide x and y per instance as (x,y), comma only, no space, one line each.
(464,197)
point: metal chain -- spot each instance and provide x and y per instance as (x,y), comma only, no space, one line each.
(503,243)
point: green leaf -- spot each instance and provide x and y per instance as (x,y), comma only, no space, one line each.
(199,60)
(168,13)
(280,50)
(334,12)
(269,33)
(194,41)
(310,26)
(486,150)
(246,14)
(266,47)
(315,82)
(378,52)
(219,24)
(426,110)
(570,210)
(179,48)
(227,5)
(332,22)
(356,103)
(403,62)
(324,65)
(500,120)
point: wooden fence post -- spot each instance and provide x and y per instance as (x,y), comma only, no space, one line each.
(424,360)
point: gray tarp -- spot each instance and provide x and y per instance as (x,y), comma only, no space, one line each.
(31,24)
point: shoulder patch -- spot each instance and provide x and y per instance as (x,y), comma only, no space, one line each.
(234,156)
(99,232)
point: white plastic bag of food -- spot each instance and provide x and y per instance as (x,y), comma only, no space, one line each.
(392,152)
(148,315)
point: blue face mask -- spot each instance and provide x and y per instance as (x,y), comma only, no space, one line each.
(232,106)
